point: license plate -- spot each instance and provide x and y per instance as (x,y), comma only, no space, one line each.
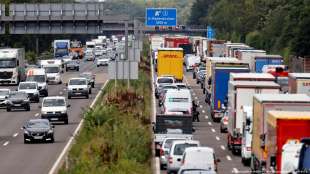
(38,137)
(54,118)
(78,93)
(17,105)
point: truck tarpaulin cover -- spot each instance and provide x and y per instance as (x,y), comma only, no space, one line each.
(182,122)
(61,45)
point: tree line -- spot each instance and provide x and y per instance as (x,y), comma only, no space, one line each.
(278,26)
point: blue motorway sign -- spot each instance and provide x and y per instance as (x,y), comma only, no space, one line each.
(210,32)
(161,17)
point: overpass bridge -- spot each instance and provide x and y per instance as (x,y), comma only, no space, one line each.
(71,18)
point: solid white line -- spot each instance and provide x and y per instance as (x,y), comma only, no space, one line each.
(213,130)
(36,115)
(235,170)
(203,111)
(209,123)
(206,117)
(6,143)
(60,158)
(15,135)
(157,165)
(217,138)
(222,147)
(228,158)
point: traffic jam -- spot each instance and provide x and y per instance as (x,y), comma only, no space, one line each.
(24,84)
(257,110)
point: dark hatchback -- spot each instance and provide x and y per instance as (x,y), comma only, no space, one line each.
(38,130)
(18,100)
(73,65)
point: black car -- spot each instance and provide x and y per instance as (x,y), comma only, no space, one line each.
(38,130)
(90,78)
(73,65)
(18,100)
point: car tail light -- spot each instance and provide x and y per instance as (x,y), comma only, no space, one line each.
(162,152)
(248,148)
(170,160)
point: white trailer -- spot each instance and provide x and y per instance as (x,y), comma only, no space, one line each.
(248,56)
(251,77)
(299,83)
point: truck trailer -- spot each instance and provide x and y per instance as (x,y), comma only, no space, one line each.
(299,83)
(262,60)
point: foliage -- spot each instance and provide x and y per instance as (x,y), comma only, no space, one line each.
(278,26)
(31,56)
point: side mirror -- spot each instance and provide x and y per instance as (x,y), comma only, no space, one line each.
(68,105)
(218,160)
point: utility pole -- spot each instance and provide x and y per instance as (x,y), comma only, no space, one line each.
(126,52)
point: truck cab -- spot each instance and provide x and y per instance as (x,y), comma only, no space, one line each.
(38,75)
(61,48)
(53,69)
(12,65)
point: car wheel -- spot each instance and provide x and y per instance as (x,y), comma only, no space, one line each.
(66,121)
(69,96)
(89,91)
(78,69)
(204,91)
(8,109)
(87,96)
(52,139)
(97,65)
(93,85)
(66,69)
(28,108)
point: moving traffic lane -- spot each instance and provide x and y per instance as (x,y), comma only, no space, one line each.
(17,157)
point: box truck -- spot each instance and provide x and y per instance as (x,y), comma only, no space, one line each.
(251,77)
(262,60)
(61,48)
(216,48)
(170,62)
(240,93)
(283,126)
(219,88)
(262,104)
(299,83)
(249,55)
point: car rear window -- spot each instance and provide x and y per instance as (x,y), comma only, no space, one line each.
(195,171)
(180,148)
(165,80)
(178,99)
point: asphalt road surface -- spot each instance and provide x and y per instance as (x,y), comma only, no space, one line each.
(19,158)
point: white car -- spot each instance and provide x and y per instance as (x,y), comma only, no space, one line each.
(102,61)
(194,170)
(78,87)
(191,61)
(162,80)
(202,157)
(32,89)
(176,153)
(164,150)
(177,100)
(4,94)
(55,109)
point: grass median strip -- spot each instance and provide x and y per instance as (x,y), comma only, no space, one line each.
(116,135)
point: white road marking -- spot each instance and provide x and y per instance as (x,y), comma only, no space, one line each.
(6,143)
(228,158)
(206,117)
(217,138)
(209,123)
(200,106)
(194,94)
(15,135)
(235,170)
(213,130)
(65,89)
(196,98)
(203,111)
(36,115)
(60,93)
(222,147)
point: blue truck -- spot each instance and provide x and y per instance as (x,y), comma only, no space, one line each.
(219,85)
(260,61)
(61,48)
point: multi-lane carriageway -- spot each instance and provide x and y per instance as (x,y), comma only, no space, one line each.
(19,158)
(208,133)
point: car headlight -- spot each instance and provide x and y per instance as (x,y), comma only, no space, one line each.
(26,132)
(43,112)
(50,131)
(63,112)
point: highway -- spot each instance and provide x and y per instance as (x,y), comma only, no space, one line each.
(19,158)
(208,133)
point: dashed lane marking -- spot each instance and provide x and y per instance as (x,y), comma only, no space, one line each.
(213,130)
(209,123)
(217,138)
(60,93)
(235,170)
(222,147)
(203,111)
(15,135)
(6,143)
(206,117)
(36,115)
(228,158)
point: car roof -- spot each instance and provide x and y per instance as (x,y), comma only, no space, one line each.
(38,119)
(199,149)
(29,82)
(54,97)
(185,142)
(195,167)
(78,78)
(179,92)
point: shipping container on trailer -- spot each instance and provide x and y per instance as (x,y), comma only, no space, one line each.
(262,104)
(299,83)
(228,45)
(240,93)
(216,48)
(249,57)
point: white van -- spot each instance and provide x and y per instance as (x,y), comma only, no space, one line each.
(191,61)
(178,100)
(53,69)
(38,75)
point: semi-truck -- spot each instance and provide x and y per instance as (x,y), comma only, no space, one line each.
(61,48)
(282,127)
(216,48)
(240,93)
(248,57)
(299,83)
(170,62)
(251,77)
(262,60)
(229,45)
(77,47)
(12,65)
(157,42)
(219,88)
(262,104)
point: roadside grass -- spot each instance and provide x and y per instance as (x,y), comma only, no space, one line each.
(116,137)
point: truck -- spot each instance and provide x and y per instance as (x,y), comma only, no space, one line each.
(171,126)
(219,88)
(283,127)
(262,104)
(299,83)
(240,93)
(170,62)
(248,57)
(61,48)
(262,60)
(251,77)
(90,45)
(12,66)
(53,69)
(215,48)
(246,143)
(77,47)
(157,42)
(229,45)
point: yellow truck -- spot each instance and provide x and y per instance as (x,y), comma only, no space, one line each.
(170,62)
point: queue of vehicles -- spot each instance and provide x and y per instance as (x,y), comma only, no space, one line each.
(261,106)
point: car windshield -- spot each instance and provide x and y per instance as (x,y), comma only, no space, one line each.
(53,102)
(51,69)
(178,99)
(180,148)
(18,95)
(77,82)
(7,63)
(36,78)
(38,124)
(195,171)
(2,93)
(165,80)
(27,86)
